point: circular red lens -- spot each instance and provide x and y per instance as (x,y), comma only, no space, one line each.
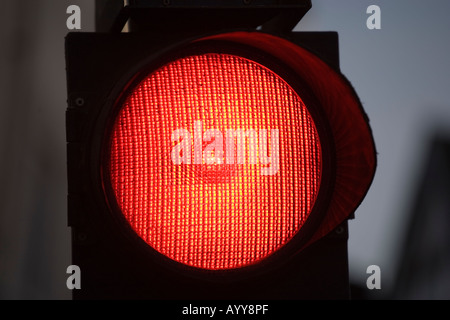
(215,161)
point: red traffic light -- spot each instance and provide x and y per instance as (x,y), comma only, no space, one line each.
(214,160)
(222,163)
(218,151)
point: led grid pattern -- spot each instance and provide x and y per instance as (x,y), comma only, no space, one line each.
(214,216)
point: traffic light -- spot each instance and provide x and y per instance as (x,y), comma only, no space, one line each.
(213,153)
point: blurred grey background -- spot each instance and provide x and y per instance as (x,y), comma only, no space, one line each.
(400,72)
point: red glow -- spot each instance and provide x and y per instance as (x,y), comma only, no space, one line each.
(216,215)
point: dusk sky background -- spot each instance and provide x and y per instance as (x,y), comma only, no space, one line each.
(400,72)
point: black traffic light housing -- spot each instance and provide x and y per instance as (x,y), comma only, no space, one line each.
(98,66)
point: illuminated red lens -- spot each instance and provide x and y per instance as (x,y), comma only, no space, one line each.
(215,161)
